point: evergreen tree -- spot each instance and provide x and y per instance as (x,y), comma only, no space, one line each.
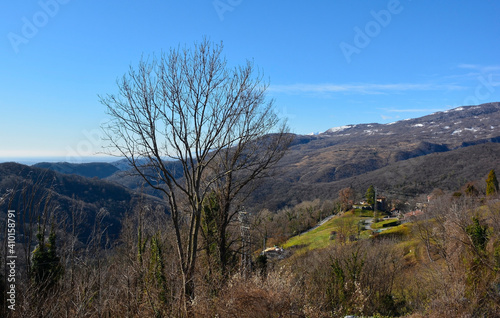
(157,270)
(478,234)
(370,195)
(46,268)
(261,264)
(491,183)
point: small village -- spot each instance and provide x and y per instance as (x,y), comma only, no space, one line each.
(373,220)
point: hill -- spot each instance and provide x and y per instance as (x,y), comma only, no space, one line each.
(130,179)
(406,178)
(99,170)
(67,192)
(441,150)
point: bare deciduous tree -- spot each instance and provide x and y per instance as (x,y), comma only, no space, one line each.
(346,197)
(213,121)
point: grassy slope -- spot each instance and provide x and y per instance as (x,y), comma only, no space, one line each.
(320,236)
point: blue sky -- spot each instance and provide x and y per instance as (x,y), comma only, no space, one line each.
(330,63)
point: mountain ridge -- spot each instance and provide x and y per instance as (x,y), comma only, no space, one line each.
(339,155)
(352,151)
(68,193)
(99,170)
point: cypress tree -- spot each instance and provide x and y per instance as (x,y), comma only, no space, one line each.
(370,195)
(491,183)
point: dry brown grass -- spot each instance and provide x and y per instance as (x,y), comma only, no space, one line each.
(257,296)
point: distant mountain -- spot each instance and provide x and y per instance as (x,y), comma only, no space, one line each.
(441,150)
(100,170)
(68,192)
(452,127)
(317,166)
(130,179)
(448,171)
(121,164)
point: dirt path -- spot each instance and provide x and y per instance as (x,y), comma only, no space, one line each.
(319,224)
(368,224)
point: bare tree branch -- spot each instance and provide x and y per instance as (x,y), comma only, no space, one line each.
(189,106)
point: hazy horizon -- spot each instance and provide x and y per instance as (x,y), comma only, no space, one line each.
(34,160)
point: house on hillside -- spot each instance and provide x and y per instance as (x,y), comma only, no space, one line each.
(381,203)
(421,205)
(395,213)
(362,205)
(412,214)
(275,252)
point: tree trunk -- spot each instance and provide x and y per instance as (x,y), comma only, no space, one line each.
(188,294)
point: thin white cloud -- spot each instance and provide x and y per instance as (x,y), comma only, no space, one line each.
(480,68)
(409,110)
(474,70)
(468,66)
(364,88)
